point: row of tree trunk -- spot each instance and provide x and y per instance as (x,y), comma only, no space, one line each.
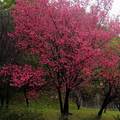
(64,102)
(5,95)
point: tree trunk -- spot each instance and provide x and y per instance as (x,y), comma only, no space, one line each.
(105,109)
(60,100)
(78,106)
(2,96)
(66,102)
(2,101)
(7,93)
(26,98)
(104,105)
(106,101)
(78,102)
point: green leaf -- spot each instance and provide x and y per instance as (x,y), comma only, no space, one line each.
(4,4)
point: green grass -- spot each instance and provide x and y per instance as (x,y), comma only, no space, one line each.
(49,110)
(82,114)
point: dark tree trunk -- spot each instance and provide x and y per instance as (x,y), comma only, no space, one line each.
(2,101)
(7,93)
(26,98)
(78,102)
(105,110)
(106,101)
(2,94)
(66,102)
(78,106)
(104,105)
(60,100)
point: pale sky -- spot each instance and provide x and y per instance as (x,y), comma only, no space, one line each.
(115,8)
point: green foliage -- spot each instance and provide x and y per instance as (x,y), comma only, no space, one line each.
(7,20)
(28,59)
(115,45)
(5,17)
(5,4)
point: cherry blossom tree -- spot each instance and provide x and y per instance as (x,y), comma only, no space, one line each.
(66,36)
(109,73)
(23,76)
(13,73)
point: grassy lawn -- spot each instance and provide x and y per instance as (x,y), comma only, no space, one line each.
(48,109)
